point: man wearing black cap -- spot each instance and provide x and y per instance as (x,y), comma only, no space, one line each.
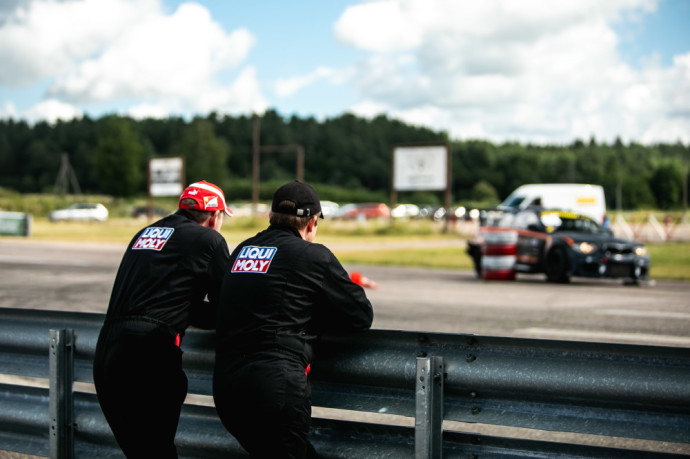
(169,278)
(279,293)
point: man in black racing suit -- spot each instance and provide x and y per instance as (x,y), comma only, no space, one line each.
(169,278)
(279,293)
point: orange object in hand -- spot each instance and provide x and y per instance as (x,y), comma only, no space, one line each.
(358,279)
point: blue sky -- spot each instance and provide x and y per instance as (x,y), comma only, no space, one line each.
(534,71)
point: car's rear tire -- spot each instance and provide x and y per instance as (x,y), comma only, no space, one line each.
(558,266)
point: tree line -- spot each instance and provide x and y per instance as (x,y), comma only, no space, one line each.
(347,157)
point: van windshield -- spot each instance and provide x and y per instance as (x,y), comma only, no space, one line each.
(513,201)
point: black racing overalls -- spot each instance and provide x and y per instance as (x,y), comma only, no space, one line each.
(169,278)
(279,293)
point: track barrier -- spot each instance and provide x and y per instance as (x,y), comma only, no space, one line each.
(499,252)
(610,390)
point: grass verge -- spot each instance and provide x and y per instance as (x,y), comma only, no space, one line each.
(670,260)
(436,257)
(420,245)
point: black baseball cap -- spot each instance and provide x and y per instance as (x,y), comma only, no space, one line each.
(304,198)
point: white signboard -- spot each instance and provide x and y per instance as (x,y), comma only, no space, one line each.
(166,176)
(420,168)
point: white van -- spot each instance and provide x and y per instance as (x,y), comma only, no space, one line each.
(580,198)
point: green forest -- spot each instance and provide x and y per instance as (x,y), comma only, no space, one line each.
(347,158)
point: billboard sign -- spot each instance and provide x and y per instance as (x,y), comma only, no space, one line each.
(420,168)
(166,176)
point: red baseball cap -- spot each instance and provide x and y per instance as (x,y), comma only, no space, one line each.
(207,196)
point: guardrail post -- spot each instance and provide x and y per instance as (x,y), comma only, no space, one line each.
(61,407)
(428,424)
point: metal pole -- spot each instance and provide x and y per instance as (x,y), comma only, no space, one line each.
(449,178)
(149,210)
(255,164)
(428,424)
(685,190)
(300,163)
(61,404)
(394,191)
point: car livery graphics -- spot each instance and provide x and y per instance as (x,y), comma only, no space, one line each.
(253,259)
(153,238)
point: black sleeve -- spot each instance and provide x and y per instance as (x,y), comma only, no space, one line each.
(204,310)
(345,306)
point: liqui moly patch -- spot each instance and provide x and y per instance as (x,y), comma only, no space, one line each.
(153,238)
(252,259)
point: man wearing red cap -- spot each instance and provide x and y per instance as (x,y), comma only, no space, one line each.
(169,278)
(281,291)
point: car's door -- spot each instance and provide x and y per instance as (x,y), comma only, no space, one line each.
(531,241)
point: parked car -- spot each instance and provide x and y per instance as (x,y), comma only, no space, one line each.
(247,209)
(329,208)
(405,211)
(345,211)
(452,213)
(81,211)
(426,211)
(365,210)
(439,214)
(143,212)
(562,245)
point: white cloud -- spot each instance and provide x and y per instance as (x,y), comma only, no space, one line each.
(145,110)
(240,97)
(368,109)
(285,87)
(8,111)
(51,110)
(154,60)
(119,51)
(513,70)
(528,70)
(385,26)
(43,38)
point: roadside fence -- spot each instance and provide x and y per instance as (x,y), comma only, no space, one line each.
(648,229)
(608,390)
(651,229)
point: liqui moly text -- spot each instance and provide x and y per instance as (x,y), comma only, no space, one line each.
(252,259)
(153,238)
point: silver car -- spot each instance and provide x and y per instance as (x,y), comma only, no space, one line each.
(80,211)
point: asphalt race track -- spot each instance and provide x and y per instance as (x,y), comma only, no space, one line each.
(78,277)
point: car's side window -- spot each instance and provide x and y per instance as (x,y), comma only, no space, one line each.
(524,220)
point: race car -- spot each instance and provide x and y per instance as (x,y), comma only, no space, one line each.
(557,243)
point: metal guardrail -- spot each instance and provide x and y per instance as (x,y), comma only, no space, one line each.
(630,391)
